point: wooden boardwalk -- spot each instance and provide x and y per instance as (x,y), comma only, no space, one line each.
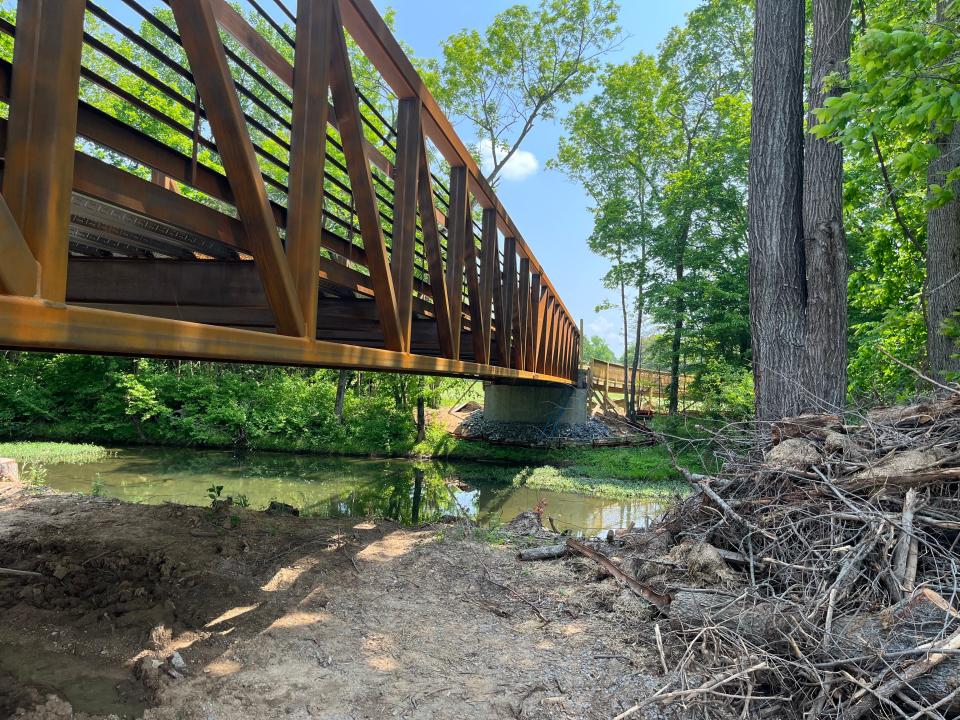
(191,181)
(606,382)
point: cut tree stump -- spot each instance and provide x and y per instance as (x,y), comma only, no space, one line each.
(9,471)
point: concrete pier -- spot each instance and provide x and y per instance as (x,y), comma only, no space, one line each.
(535,404)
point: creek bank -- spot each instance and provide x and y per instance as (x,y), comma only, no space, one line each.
(196,616)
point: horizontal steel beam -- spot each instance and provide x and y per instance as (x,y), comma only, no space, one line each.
(34,324)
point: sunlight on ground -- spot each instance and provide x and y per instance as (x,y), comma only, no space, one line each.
(285,577)
(393,546)
(298,619)
(222,667)
(231,614)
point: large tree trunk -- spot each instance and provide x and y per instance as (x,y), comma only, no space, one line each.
(777,265)
(626,332)
(825,244)
(679,309)
(943,255)
(637,350)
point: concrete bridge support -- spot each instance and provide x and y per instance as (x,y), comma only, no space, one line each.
(535,404)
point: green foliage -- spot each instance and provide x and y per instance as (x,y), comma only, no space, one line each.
(723,391)
(903,91)
(525,64)
(120,401)
(214,492)
(904,83)
(596,348)
(52,452)
(34,473)
(662,150)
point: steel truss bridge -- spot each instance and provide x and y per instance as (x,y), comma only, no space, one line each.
(264,181)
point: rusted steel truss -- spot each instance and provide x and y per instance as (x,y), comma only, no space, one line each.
(205,179)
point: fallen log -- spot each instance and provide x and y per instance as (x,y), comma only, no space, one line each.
(658,600)
(545,552)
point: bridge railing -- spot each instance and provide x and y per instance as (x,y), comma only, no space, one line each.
(267,165)
(608,391)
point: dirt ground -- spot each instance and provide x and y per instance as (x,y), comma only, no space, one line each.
(287,617)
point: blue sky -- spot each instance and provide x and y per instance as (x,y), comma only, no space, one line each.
(551,212)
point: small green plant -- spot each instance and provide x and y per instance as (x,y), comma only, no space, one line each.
(34,474)
(96,486)
(214,492)
(242,501)
(234,520)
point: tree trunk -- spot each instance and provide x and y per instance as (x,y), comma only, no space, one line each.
(943,254)
(777,265)
(825,244)
(626,334)
(637,350)
(421,420)
(341,392)
(680,307)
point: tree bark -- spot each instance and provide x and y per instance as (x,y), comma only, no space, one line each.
(421,420)
(626,330)
(943,254)
(680,307)
(637,350)
(825,243)
(341,392)
(777,266)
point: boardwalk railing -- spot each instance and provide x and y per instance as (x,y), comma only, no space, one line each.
(606,381)
(249,183)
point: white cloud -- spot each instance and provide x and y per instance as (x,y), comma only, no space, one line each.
(520,166)
(602,325)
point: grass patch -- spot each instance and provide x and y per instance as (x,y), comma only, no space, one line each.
(614,472)
(37,453)
(568,480)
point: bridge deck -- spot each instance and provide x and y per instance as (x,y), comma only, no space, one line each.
(183,179)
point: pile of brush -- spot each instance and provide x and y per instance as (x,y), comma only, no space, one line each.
(818,575)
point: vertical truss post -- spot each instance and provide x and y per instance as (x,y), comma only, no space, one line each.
(508,286)
(433,251)
(543,365)
(409,139)
(489,257)
(38,169)
(200,36)
(523,314)
(473,293)
(503,330)
(308,150)
(347,109)
(458,232)
(536,321)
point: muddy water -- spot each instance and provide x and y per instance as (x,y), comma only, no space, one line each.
(402,490)
(87,683)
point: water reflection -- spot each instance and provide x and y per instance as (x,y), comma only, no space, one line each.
(410,492)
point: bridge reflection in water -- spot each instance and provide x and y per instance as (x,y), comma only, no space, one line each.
(184,179)
(402,490)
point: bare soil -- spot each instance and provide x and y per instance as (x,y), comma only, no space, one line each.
(288,617)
